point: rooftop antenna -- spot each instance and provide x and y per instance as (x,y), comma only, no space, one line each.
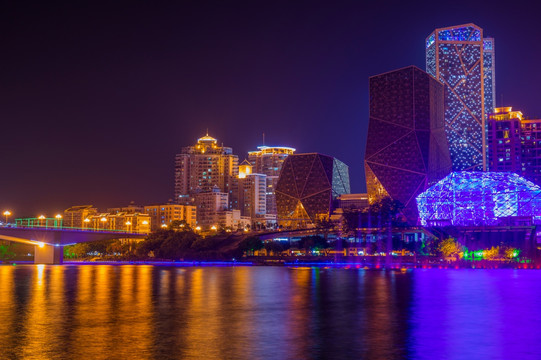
(207,131)
(263,139)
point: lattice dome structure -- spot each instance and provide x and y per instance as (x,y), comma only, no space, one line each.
(406,149)
(307,186)
(463,61)
(479,199)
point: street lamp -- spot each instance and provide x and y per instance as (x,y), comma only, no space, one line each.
(7,214)
(164,226)
(41,218)
(213,227)
(58,220)
(198,228)
(103,220)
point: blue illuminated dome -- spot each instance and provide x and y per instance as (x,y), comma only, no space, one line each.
(479,199)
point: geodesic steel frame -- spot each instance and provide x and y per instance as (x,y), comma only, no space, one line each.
(479,199)
(307,186)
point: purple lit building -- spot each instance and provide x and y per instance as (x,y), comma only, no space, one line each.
(406,149)
(472,198)
(483,210)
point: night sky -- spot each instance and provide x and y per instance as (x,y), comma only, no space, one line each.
(96,99)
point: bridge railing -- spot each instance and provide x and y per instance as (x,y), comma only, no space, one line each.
(60,228)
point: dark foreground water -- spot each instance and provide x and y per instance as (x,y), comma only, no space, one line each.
(146,312)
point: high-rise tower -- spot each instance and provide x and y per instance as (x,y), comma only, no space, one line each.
(489,72)
(456,56)
(202,167)
(268,160)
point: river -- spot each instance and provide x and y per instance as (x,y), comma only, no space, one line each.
(165,312)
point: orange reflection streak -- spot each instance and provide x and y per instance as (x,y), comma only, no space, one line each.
(299,304)
(142,314)
(41,317)
(239,326)
(7,306)
(91,313)
(202,329)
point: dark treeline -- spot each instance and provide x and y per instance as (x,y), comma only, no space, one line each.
(167,244)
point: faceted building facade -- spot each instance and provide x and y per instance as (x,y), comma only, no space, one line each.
(307,187)
(406,149)
(473,198)
(456,56)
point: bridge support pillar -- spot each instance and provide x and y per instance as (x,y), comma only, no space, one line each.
(48,254)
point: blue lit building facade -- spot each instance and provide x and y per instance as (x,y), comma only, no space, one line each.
(480,199)
(489,75)
(456,56)
(406,148)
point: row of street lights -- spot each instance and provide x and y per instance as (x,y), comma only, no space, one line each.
(8,213)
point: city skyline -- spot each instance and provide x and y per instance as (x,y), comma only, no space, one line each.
(95,114)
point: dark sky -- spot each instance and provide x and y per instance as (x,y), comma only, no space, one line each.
(96,99)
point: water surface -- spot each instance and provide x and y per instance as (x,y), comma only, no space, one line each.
(155,312)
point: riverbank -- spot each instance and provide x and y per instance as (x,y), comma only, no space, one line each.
(372,264)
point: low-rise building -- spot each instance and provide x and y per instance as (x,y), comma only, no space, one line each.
(130,209)
(128,222)
(165,214)
(208,203)
(74,216)
(353,201)
(225,219)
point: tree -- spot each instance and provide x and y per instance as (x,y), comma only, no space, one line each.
(251,244)
(181,225)
(167,244)
(350,222)
(449,247)
(324,225)
(275,247)
(511,253)
(6,252)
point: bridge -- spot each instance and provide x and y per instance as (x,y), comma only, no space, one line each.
(49,242)
(413,233)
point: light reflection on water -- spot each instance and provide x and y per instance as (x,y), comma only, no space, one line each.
(148,312)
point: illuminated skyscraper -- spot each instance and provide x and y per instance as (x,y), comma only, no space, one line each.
(515,143)
(201,167)
(406,149)
(489,72)
(504,144)
(268,160)
(459,56)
